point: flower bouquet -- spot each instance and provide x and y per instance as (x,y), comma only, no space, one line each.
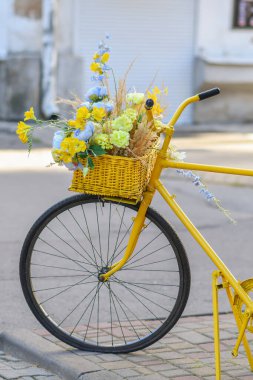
(111,142)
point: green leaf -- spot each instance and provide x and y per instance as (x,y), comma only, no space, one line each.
(97,150)
(90,163)
(83,154)
(139,119)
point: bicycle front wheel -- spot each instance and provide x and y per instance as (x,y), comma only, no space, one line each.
(75,241)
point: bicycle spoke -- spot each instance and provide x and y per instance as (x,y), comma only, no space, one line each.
(119,321)
(87,327)
(130,290)
(151,241)
(108,245)
(127,232)
(98,319)
(152,284)
(52,266)
(143,265)
(149,290)
(69,245)
(60,257)
(62,286)
(82,315)
(131,311)
(62,291)
(121,221)
(151,270)
(119,303)
(64,255)
(77,306)
(149,254)
(153,302)
(66,275)
(94,262)
(99,238)
(110,297)
(89,240)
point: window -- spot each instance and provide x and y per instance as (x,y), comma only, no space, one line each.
(243,17)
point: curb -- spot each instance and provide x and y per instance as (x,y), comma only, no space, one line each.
(30,347)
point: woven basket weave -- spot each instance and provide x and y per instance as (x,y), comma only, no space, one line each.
(115,176)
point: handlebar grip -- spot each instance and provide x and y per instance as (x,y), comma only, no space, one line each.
(149,104)
(209,93)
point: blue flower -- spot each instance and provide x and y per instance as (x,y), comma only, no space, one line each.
(97,77)
(72,166)
(57,139)
(96,93)
(108,106)
(106,67)
(88,105)
(87,133)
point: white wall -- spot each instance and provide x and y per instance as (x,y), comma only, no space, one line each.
(158,35)
(216,37)
(24,34)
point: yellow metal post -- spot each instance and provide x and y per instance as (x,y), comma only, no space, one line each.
(242,330)
(238,323)
(215,276)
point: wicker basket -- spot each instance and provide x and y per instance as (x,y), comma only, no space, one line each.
(115,176)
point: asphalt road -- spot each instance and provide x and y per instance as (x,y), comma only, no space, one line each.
(28,188)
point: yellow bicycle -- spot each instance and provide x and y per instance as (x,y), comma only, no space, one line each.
(107,275)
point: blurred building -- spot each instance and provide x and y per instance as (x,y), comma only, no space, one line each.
(46,47)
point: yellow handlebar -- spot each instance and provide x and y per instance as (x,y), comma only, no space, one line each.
(196,98)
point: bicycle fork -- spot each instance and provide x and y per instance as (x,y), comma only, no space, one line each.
(138,225)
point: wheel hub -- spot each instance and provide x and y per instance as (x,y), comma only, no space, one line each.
(101,272)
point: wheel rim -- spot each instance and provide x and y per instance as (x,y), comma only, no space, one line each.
(76,245)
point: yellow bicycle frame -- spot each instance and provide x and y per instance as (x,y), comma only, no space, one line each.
(228,280)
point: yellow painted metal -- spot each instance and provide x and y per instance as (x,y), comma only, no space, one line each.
(244,325)
(238,323)
(134,235)
(181,108)
(215,277)
(170,200)
(206,168)
(121,200)
(229,280)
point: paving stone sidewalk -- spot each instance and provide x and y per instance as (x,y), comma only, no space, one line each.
(13,368)
(184,354)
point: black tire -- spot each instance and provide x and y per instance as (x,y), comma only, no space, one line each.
(144,327)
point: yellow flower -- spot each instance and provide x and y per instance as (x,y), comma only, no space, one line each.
(60,155)
(156,91)
(82,114)
(95,66)
(157,108)
(105,57)
(98,113)
(22,131)
(72,145)
(96,56)
(72,123)
(29,115)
